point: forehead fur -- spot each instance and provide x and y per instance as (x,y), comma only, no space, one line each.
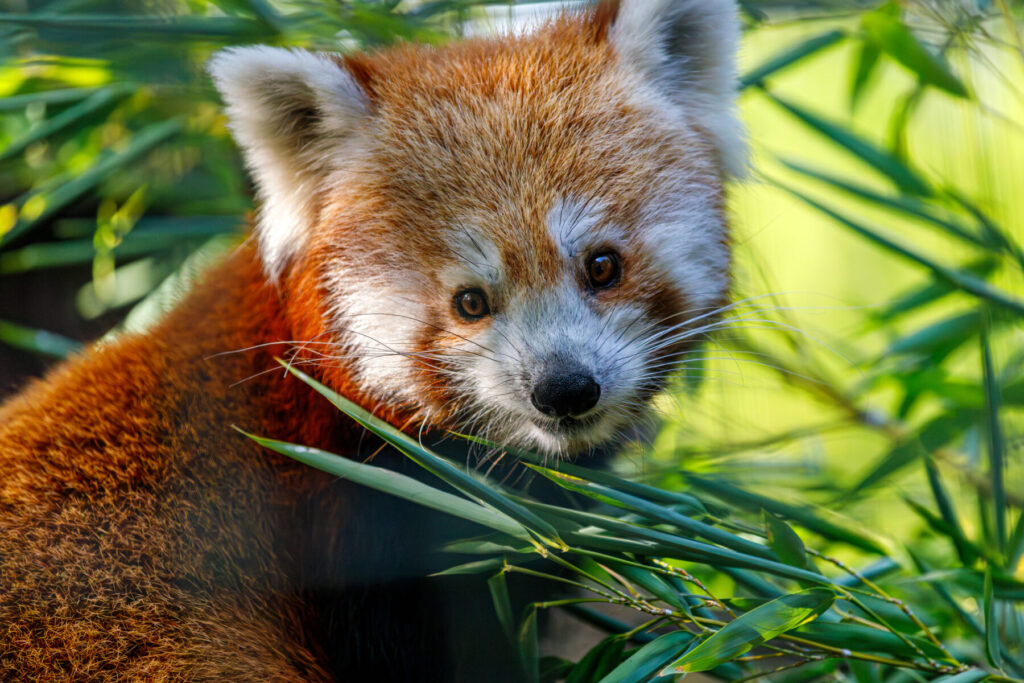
(489,135)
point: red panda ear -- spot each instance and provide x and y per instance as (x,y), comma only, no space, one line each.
(291,112)
(687,50)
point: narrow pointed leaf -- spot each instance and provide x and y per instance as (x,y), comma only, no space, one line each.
(754,628)
(993,648)
(395,484)
(789,57)
(431,462)
(37,341)
(650,659)
(893,37)
(785,542)
(868,152)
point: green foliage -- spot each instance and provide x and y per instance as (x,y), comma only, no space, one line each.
(836,492)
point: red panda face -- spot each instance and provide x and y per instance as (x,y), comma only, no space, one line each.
(514,237)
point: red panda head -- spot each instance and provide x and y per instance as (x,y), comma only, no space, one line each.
(515,236)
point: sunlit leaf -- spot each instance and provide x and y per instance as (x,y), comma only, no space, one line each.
(754,628)
(893,37)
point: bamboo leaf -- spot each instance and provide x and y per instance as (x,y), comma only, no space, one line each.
(653,511)
(754,628)
(864,68)
(37,341)
(57,198)
(868,152)
(789,57)
(433,463)
(646,662)
(785,542)
(395,484)
(967,282)
(996,444)
(993,648)
(892,36)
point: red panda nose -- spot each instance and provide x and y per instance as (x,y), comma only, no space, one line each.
(565,395)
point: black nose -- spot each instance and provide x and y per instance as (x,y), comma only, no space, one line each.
(562,395)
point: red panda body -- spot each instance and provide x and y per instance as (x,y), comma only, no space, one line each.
(515,236)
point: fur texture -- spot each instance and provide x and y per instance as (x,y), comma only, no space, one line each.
(141,538)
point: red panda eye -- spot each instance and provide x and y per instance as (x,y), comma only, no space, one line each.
(603,270)
(471,304)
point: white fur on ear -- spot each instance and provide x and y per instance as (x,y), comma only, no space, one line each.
(290,111)
(688,48)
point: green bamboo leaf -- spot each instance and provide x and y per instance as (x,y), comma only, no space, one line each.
(993,648)
(174,28)
(936,433)
(938,340)
(37,341)
(147,237)
(865,67)
(630,502)
(754,628)
(892,36)
(996,443)
(920,296)
(803,516)
(905,204)
(691,504)
(554,669)
(595,664)
(477,567)
(969,676)
(644,541)
(527,643)
(785,542)
(867,638)
(69,116)
(943,528)
(498,586)
(868,152)
(646,662)
(652,583)
(56,198)
(60,96)
(432,463)
(395,484)
(947,510)
(966,282)
(789,57)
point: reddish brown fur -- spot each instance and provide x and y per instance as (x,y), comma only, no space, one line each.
(141,538)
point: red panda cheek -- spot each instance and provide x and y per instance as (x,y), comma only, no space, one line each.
(435,358)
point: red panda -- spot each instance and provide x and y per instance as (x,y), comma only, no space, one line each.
(512,236)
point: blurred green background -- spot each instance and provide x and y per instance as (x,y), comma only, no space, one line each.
(872,375)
